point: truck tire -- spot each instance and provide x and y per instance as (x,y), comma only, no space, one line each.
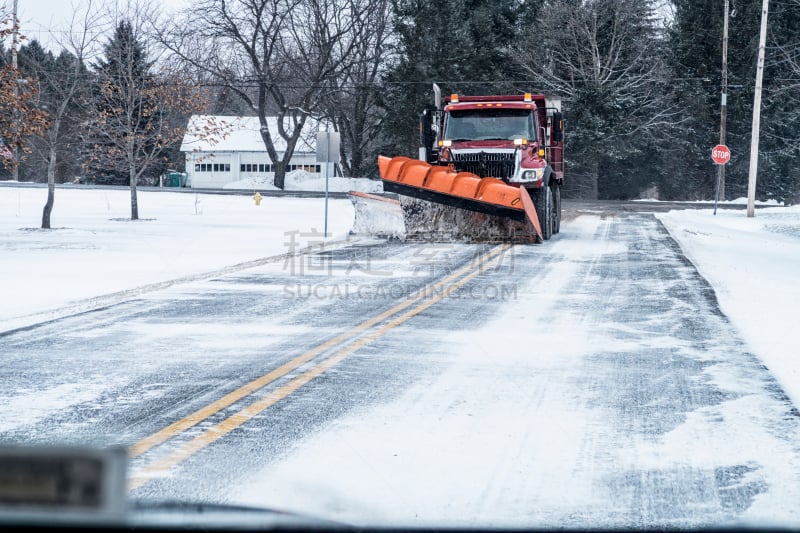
(543,201)
(556,208)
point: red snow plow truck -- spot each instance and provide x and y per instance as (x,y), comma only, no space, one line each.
(489,168)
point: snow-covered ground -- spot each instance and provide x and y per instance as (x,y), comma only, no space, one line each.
(753,265)
(735,201)
(557,411)
(95,249)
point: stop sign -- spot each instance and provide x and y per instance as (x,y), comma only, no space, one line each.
(720,154)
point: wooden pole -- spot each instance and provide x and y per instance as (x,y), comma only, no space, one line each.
(723,113)
(14,44)
(751,183)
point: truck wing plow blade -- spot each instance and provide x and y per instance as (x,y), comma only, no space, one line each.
(377,216)
(462,190)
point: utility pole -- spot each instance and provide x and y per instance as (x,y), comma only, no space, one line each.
(751,183)
(15,38)
(14,43)
(723,112)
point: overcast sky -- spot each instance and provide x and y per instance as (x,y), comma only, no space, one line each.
(38,18)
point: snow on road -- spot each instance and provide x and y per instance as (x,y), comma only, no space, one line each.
(611,393)
(542,426)
(753,265)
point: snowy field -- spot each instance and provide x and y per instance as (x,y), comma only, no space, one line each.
(95,249)
(751,263)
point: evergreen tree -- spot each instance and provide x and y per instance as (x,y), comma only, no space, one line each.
(124,57)
(605,59)
(69,69)
(779,146)
(38,64)
(696,57)
(463,45)
(137,117)
(33,58)
(121,75)
(61,79)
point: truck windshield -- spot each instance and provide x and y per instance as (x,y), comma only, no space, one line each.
(490,124)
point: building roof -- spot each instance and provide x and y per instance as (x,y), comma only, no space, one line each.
(241,134)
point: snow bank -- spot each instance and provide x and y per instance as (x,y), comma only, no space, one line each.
(376,216)
(752,263)
(300,180)
(736,201)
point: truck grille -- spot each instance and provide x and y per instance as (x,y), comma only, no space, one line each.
(484,164)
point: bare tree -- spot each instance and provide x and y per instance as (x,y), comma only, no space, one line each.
(20,115)
(352,101)
(278,56)
(783,60)
(602,57)
(138,114)
(780,122)
(63,82)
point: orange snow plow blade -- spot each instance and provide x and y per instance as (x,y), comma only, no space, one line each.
(464,190)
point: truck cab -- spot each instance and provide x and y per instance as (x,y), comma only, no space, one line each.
(502,156)
(516,138)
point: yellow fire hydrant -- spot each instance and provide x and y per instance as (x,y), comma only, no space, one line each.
(257,198)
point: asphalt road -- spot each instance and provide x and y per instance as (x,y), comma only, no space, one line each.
(589,382)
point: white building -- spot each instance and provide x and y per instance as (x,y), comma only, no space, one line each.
(238,153)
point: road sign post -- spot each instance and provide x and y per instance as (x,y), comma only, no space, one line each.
(327,152)
(720,154)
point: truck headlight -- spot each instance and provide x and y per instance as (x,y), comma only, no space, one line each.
(532,175)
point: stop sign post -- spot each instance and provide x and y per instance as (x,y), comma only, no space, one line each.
(721,155)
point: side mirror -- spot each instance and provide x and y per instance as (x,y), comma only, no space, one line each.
(557,127)
(427,136)
(537,148)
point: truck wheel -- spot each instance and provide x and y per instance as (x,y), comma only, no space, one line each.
(543,201)
(556,209)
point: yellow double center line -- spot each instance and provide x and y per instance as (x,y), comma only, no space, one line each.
(439,290)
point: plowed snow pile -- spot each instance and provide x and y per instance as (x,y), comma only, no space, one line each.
(380,217)
(431,221)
